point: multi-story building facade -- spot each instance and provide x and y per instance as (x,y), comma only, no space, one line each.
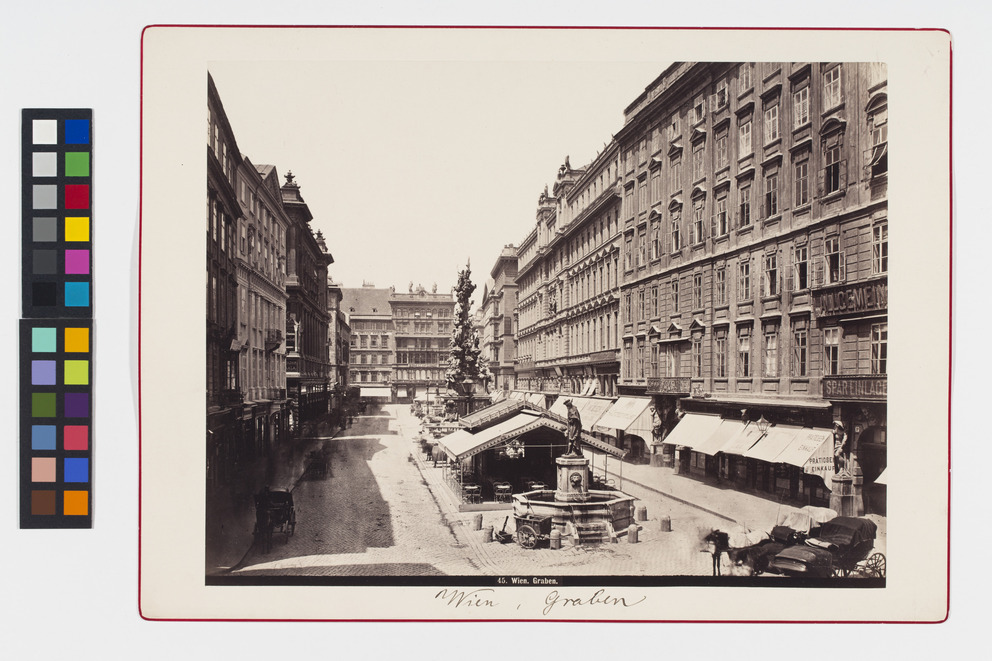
(498,307)
(568,282)
(224,398)
(338,344)
(261,257)
(423,322)
(372,342)
(307,319)
(755,251)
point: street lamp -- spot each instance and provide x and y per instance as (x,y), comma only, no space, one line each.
(762,424)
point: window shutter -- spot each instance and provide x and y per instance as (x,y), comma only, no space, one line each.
(761,210)
(843,269)
(843,174)
(764,287)
(820,174)
(819,268)
(713,226)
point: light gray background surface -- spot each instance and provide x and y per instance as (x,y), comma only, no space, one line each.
(75,592)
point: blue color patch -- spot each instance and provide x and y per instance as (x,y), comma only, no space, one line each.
(77,131)
(42,437)
(76,470)
(77,294)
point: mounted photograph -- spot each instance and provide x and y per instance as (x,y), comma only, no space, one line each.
(538,337)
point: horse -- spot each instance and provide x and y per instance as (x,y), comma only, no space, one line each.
(718,543)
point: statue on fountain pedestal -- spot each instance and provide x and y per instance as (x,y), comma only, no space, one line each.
(573,432)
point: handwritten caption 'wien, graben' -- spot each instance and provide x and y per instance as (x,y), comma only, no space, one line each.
(554,602)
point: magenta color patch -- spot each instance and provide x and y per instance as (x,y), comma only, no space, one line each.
(77,261)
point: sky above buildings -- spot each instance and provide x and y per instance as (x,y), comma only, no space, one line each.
(412,168)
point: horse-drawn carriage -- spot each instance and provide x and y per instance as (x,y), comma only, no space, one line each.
(274,511)
(843,546)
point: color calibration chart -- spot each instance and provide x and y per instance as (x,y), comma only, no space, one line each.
(56,367)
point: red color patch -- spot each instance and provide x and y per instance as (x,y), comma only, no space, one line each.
(77,196)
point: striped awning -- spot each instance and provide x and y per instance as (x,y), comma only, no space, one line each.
(693,429)
(630,415)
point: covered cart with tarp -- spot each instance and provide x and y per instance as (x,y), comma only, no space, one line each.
(844,545)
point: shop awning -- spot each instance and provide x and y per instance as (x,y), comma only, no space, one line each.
(376,393)
(516,394)
(632,415)
(743,440)
(537,399)
(773,443)
(591,409)
(813,451)
(492,413)
(496,396)
(693,429)
(462,444)
(723,433)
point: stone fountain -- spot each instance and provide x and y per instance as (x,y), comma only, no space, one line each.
(583,514)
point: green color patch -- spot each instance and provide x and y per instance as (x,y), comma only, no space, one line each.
(42,405)
(77,164)
(43,340)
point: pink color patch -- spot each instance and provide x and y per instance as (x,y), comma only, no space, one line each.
(77,196)
(77,261)
(76,437)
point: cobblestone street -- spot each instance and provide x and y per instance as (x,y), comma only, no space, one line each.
(382,511)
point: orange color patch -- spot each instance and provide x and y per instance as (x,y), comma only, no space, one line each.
(76,503)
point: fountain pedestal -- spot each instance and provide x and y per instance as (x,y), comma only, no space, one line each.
(573,479)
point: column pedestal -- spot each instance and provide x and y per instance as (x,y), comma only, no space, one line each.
(573,479)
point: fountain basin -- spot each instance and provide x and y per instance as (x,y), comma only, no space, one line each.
(609,511)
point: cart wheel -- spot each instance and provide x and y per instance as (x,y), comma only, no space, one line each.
(526,537)
(875,566)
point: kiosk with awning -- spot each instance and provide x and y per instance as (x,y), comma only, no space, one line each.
(506,451)
(537,399)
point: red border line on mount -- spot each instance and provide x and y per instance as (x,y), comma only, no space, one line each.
(560,27)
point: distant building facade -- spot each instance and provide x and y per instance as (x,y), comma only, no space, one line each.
(568,280)
(338,344)
(371,352)
(307,364)
(499,305)
(423,322)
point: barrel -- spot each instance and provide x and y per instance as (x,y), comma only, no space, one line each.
(556,539)
(641,513)
(477,522)
(487,534)
(632,534)
(666,523)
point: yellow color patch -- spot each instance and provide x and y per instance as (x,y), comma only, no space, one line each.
(77,340)
(77,229)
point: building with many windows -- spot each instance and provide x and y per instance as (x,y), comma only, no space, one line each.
(261,256)
(423,322)
(371,352)
(307,365)
(755,257)
(499,303)
(338,344)
(568,282)
(224,397)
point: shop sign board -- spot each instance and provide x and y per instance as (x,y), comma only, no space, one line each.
(851,299)
(669,385)
(855,387)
